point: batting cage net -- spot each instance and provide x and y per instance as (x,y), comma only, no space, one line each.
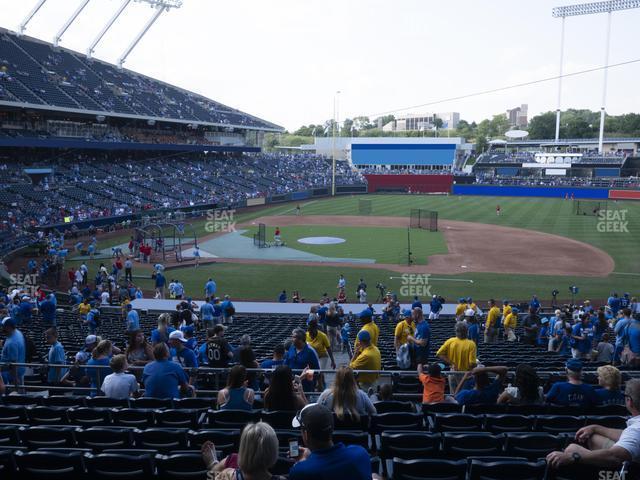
(260,238)
(424,219)
(589,207)
(365,207)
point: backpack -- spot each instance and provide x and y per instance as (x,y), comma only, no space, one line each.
(96,318)
(230,311)
(403,357)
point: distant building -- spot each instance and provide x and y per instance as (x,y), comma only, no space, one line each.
(422,121)
(518,116)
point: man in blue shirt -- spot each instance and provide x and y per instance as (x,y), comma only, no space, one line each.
(210,288)
(56,356)
(13,350)
(301,356)
(322,459)
(484,391)
(283,297)
(421,339)
(206,312)
(277,360)
(160,284)
(436,307)
(534,305)
(48,311)
(133,319)
(614,303)
(228,310)
(573,392)
(582,338)
(620,330)
(162,378)
(416,303)
(183,355)
(24,310)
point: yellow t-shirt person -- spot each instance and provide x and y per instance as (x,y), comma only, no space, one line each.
(319,344)
(403,330)
(84,308)
(460,352)
(460,308)
(492,317)
(510,321)
(373,330)
(369,359)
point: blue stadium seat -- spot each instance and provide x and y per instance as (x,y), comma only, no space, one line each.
(40,465)
(183,466)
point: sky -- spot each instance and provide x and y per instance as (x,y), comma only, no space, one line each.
(284,60)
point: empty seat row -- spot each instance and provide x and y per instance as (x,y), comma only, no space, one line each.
(160,439)
(106,402)
(498,469)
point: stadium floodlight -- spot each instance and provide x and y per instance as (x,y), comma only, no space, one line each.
(106,28)
(160,6)
(592,8)
(30,15)
(67,24)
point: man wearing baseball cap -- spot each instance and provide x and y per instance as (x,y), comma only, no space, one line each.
(322,459)
(183,355)
(13,351)
(573,392)
(366,357)
(366,317)
(404,328)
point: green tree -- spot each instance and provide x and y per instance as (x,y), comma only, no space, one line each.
(543,126)
(346,129)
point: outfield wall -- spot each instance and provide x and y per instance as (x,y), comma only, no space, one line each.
(413,183)
(519,191)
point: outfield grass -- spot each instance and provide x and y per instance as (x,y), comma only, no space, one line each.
(546,215)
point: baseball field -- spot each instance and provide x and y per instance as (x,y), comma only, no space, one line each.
(534,246)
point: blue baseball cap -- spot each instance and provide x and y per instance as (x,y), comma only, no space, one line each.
(574,365)
(406,312)
(8,322)
(515,310)
(366,313)
(364,336)
(544,320)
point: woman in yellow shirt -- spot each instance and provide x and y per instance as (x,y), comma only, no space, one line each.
(319,341)
(406,327)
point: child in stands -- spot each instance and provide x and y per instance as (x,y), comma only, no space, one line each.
(433,383)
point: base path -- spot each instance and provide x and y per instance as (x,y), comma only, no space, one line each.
(478,247)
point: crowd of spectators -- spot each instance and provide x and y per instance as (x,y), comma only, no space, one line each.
(35,72)
(104,185)
(557,181)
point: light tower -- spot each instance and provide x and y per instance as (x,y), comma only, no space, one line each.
(607,7)
(160,6)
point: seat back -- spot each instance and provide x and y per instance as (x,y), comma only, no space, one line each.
(409,445)
(507,470)
(463,445)
(182,466)
(429,469)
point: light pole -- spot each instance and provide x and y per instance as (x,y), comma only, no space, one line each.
(336,99)
(607,7)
